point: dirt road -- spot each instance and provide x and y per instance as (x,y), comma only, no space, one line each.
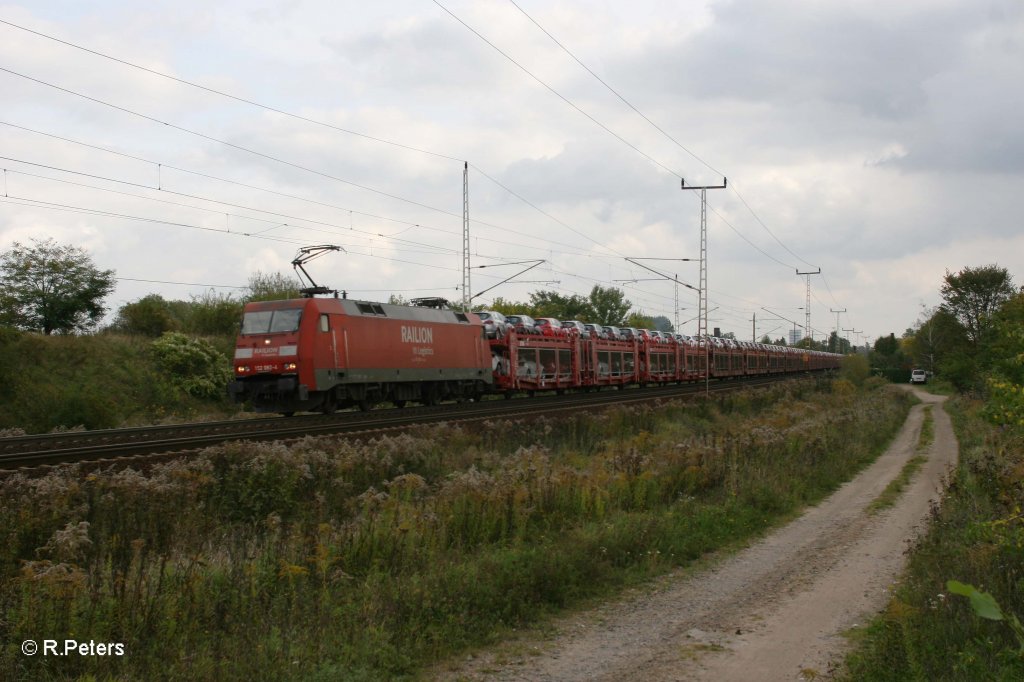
(773,611)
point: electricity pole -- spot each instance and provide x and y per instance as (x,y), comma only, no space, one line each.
(807,308)
(837,324)
(702,305)
(852,331)
(466,296)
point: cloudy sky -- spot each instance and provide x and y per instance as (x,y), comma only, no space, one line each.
(878,141)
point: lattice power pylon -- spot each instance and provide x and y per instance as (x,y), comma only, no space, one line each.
(702,305)
(465,238)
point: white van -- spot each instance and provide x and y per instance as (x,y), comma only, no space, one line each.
(918,376)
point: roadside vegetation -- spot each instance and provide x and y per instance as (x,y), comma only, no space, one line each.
(976,537)
(339,559)
(108,380)
(956,613)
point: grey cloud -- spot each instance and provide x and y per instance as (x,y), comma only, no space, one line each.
(794,53)
(426,55)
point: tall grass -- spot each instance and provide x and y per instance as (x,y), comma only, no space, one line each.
(339,559)
(975,537)
(102,381)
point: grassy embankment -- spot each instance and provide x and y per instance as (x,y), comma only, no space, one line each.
(975,537)
(333,559)
(101,381)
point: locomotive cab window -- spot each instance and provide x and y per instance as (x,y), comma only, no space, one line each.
(325,322)
(270,321)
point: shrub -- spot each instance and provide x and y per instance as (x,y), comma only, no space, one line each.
(213,314)
(193,365)
(855,369)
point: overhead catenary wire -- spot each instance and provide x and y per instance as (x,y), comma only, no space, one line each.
(409,147)
(558,94)
(342,228)
(244,100)
(662,131)
(25,201)
(300,117)
(246,286)
(168,166)
(614,91)
(232,145)
(279,215)
(223,93)
(184,284)
(99,212)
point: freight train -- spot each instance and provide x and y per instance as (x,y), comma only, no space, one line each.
(328,353)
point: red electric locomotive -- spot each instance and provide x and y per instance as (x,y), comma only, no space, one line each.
(328,353)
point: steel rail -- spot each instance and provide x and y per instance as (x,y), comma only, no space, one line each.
(27,452)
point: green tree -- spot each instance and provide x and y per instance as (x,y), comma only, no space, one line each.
(609,305)
(887,345)
(1005,354)
(662,323)
(213,314)
(1004,359)
(639,320)
(553,304)
(938,336)
(51,287)
(888,359)
(271,287)
(148,316)
(973,295)
(838,344)
(510,307)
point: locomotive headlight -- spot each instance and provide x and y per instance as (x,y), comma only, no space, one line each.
(290,366)
(242,369)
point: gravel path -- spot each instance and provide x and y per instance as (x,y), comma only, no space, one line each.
(773,611)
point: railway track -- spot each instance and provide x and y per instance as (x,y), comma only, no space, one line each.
(22,453)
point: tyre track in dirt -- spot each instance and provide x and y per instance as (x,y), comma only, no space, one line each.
(773,611)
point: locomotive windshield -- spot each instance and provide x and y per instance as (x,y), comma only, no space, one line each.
(270,321)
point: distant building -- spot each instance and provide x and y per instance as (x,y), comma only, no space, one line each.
(795,336)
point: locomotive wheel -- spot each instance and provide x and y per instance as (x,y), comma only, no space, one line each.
(364,405)
(399,403)
(328,406)
(288,414)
